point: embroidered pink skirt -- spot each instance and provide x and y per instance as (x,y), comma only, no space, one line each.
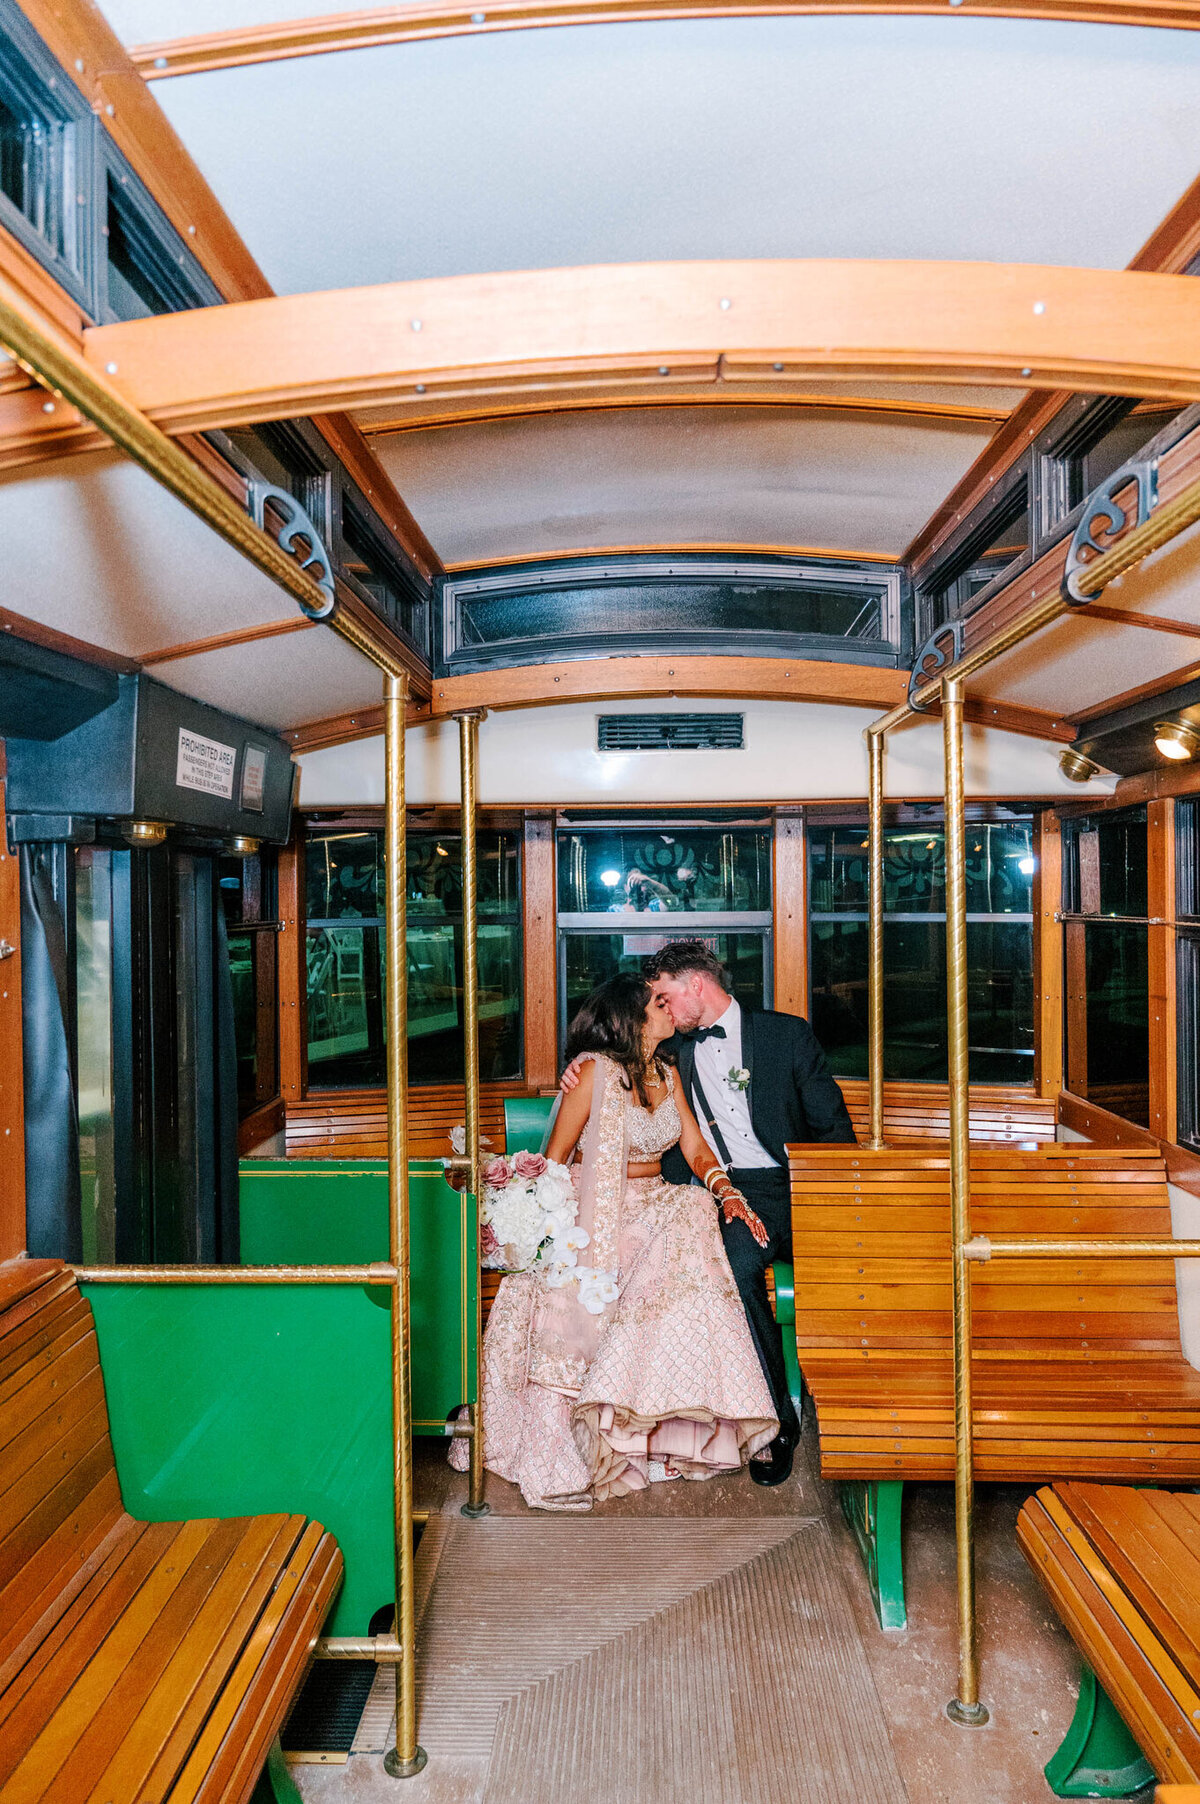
(675,1378)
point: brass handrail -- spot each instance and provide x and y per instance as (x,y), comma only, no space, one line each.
(981,1248)
(468,748)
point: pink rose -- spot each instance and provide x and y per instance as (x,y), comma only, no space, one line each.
(497,1173)
(529,1165)
(489,1246)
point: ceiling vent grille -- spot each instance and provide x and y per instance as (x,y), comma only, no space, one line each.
(670,732)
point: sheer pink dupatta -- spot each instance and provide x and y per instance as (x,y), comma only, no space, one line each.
(564,1335)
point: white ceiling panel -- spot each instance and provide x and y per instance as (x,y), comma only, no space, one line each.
(149,21)
(94,547)
(676,476)
(953,137)
(279,683)
(1079,664)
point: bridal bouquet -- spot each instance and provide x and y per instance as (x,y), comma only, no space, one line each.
(528,1215)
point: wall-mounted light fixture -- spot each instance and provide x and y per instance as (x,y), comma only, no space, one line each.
(241,847)
(1172,739)
(143,833)
(1075,767)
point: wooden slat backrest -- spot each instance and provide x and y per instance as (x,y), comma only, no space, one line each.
(352,1124)
(871,1235)
(59,1494)
(913,1111)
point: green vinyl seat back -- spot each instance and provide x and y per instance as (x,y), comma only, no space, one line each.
(232,1400)
(526,1119)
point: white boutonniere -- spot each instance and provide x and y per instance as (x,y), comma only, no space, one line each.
(738,1078)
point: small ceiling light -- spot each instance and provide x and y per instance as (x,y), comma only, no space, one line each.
(1075,767)
(242,847)
(143,833)
(610,879)
(1173,740)
(1026,866)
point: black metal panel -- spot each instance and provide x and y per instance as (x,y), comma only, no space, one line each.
(44,694)
(125,763)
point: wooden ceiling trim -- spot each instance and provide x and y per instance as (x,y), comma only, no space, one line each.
(1169,250)
(427,413)
(1174,244)
(50,639)
(1155,623)
(245,635)
(1099,331)
(282,41)
(707,549)
(724,678)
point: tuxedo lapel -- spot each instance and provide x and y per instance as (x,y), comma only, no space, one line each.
(748,1057)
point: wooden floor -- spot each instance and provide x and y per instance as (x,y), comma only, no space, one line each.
(1030,1666)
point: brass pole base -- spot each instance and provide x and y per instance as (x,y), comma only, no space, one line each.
(395,1768)
(967,1716)
(475,1509)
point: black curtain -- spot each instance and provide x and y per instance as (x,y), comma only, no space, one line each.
(52,1188)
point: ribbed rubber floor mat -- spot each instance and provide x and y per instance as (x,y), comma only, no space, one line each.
(325,1717)
(515,1598)
(753,1688)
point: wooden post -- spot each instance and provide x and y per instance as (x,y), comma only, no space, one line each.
(293,969)
(539,951)
(1160,955)
(12,1076)
(791,912)
(1047,955)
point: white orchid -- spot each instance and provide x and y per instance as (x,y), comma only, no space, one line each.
(738,1078)
(597,1289)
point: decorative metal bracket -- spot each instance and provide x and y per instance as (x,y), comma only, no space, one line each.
(297,525)
(1102,504)
(934,658)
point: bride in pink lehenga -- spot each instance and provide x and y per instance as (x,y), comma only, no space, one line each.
(664,1381)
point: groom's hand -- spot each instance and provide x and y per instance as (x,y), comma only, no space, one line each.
(570,1077)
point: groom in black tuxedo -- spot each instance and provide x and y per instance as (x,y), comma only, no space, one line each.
(756,1080)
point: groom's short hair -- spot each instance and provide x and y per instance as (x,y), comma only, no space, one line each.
(682,956)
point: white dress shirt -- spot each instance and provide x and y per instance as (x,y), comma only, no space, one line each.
(715,1059)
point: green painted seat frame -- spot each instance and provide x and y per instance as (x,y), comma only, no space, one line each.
(1098,1757)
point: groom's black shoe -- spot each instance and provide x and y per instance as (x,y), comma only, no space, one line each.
(778,1464)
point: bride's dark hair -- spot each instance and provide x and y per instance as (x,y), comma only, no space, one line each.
(610,1021)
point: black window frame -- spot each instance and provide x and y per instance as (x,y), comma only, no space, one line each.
(31,80)
(1187,970)
(164,260)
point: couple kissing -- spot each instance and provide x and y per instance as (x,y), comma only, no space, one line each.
(680,1105)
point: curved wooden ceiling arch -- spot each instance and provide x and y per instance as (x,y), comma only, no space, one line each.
(1095,331)
(282,41)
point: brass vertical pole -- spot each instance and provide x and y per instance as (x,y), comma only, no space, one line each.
(875,934)
(966,1707)
(468,750)
(406,1758)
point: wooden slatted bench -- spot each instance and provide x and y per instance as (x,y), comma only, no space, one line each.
(921,1112)
(138,1660)
(1077,1367)
(1122,1567)
(352,1124)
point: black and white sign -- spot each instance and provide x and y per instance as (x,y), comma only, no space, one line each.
(205,764)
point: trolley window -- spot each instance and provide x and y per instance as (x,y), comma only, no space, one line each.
(345,951)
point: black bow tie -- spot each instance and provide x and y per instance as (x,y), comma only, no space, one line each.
(708,1033)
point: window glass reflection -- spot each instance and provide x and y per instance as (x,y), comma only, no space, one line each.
(673,870)
(346,959)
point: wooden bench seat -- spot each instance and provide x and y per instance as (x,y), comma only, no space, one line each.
(916,1111)
(352,1124)
(1077,1366)
(1122,1567)
(147,1661)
